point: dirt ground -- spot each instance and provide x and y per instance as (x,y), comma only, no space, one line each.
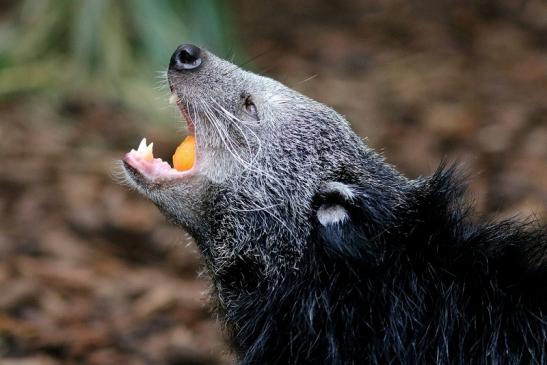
(90,273)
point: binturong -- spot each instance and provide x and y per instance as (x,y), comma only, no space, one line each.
(320,252)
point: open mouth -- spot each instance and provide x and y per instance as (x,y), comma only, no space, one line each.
(184,159)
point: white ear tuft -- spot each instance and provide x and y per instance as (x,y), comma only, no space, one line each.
(337,187)
(332,214)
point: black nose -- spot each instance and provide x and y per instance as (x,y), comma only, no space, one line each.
(186,57)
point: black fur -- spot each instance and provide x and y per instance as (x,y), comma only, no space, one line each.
(319,252)
(403,282)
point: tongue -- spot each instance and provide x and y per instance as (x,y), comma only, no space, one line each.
(184,156)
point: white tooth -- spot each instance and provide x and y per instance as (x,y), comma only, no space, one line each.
(173,98)
(142,146)
(148,153)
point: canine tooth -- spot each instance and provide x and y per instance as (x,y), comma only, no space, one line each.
(145,151)
(142,146)
(148,153)
(173,98)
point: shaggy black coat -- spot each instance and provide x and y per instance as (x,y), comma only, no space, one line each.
(413,282)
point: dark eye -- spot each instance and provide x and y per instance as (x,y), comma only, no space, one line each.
(250,107)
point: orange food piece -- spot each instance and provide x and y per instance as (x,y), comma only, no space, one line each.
(185,155)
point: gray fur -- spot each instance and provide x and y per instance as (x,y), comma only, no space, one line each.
(251,197)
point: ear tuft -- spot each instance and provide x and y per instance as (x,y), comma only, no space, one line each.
(337,191)
(332,214)
(332,202)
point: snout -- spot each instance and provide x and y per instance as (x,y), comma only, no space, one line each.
(186,57)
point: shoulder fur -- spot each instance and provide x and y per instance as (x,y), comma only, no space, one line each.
(418,282)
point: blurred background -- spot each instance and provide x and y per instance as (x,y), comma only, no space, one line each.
(90,273)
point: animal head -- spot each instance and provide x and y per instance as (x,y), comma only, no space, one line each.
(268,162)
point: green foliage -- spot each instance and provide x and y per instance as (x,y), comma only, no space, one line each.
(110,48)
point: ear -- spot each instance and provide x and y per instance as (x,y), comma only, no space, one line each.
(346,222)
(333,201)
(337,230)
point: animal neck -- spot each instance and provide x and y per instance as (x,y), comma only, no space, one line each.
(312,306)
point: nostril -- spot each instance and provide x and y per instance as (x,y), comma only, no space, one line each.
(188,54)
(186,57)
